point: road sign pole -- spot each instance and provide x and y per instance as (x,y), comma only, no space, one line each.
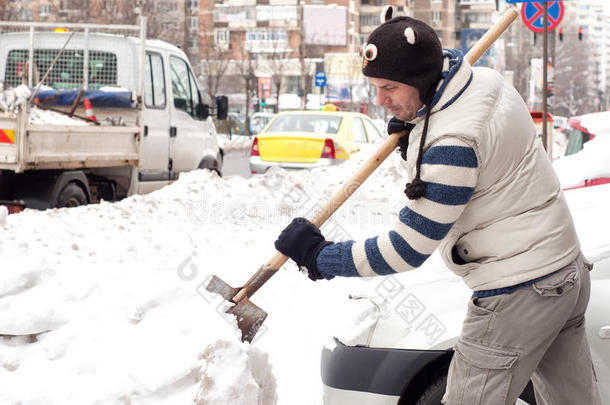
(545,83)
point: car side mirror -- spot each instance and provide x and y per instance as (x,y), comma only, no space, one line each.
(222,107)
(202,111)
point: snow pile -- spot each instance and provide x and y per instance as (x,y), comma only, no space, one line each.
(11,100)
(3,215)
(109,299)
(107,304)
(247,381)
(39,116)
(591,162)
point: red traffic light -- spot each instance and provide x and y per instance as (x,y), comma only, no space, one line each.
(561,34)
(580,33)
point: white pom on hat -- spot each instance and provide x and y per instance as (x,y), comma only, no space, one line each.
(410,35)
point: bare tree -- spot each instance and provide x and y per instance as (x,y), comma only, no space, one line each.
(575,88)
(74,11)
(246,68)
(305,53)
(165,20)
(213,64)
(10,11)
(278,67)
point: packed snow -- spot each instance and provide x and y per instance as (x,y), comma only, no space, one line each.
(106,303)
(15,99)
(39,116)
(596,123)
(592,162)
(11,100)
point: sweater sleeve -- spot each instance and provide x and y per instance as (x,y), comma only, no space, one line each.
(450,171)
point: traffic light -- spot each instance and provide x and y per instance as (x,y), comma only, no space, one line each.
(580,33)
(262,101)
(561,34)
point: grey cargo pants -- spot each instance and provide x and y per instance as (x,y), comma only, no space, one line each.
(536,332)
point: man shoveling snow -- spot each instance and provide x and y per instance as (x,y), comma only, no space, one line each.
(485,194)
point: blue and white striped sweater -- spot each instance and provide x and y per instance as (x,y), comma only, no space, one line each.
(450,171)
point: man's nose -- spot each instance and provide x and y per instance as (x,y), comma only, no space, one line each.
(382,99)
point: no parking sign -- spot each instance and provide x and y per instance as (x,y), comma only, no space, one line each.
(532,14)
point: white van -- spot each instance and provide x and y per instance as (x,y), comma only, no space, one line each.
(174,131)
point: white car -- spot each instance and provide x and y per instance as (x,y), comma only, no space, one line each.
(402,347)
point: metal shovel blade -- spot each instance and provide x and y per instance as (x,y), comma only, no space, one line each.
(249,316)
(216,285)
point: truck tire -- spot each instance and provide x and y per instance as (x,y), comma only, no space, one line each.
(71,196)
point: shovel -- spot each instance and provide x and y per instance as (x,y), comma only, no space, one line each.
(249,316)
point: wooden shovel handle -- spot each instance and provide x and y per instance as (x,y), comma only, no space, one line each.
(481,46)
(339,197)
(372,163)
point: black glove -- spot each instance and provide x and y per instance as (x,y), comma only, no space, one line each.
(302,241)
(396,125)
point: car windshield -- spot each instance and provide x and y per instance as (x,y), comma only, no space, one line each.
(323,124)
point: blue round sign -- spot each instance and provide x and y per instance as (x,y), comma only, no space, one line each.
(533,15)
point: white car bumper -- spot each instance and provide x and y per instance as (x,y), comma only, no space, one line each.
(258,165)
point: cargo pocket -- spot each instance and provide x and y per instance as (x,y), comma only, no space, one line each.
(557,284)
(479,375)
(588,264)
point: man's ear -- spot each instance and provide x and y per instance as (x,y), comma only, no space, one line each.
(386,13)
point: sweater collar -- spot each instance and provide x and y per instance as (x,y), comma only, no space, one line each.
(455,78)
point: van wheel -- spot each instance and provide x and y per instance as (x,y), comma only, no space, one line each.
(71,196)
(205,164)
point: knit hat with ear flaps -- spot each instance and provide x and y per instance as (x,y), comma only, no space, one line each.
(404,50)
(408,51)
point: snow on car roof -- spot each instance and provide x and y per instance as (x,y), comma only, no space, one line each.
(592,162)
(594,123)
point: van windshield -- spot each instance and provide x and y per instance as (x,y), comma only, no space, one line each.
(67,72)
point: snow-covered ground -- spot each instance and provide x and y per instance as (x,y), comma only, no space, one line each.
(108,306)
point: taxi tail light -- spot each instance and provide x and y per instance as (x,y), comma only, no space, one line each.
(254,148)
(328,151)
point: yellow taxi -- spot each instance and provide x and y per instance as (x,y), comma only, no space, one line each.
(305,139)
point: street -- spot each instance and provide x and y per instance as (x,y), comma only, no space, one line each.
(236,163)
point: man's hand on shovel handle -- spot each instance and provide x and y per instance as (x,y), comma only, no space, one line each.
(302,241)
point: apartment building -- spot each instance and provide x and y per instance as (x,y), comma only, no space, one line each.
(440,15)
(166,18)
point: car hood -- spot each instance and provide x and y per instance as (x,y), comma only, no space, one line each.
(397,313)
(429,316)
